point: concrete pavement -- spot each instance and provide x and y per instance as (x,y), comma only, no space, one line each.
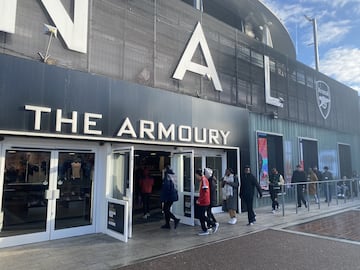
(99,251)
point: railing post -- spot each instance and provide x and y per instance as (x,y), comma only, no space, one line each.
(283,199)
(307,197)
(318,193)
(336,193)
(296,197)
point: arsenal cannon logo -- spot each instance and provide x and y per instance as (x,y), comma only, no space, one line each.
(323,98)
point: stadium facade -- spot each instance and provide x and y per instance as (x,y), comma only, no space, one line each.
(94,91)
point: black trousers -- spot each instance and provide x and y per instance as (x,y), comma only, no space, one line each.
(204,220)
(168,214)
(250,209)
(146,202)
(274,197)
(210,215)
(300,195)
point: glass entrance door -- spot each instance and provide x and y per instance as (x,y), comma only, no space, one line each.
(74,192)
(119,194)
(26,180)
(45,195)
(183,165)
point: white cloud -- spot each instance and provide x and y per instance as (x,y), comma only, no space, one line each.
(332,3)
(330,32)
(343,64)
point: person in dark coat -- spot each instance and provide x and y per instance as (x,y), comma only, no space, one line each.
(248,184)
(299,177)
(328,189)
(208,172)
(168,196)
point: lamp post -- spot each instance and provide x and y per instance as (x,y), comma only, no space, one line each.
(316,50)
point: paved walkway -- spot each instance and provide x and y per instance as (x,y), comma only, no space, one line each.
(98,251)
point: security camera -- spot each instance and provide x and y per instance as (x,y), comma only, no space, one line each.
(281,100)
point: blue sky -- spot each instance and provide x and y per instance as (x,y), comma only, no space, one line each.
(338,33)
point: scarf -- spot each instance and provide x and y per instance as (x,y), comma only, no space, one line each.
(228,190)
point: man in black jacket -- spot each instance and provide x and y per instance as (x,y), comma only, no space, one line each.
(248,183)
(327,175)
(299,177)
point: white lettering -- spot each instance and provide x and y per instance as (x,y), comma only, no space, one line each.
(88,123)
(38,110)
(166,132)
(213,136)
(185,63)
(60,120)
(184,133)
(196,135)
(73,33)
(8,15)
(127,128)
(147,127)
(224,135)
(268,98)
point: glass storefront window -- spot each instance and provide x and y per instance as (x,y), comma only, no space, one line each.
(24,206)
(75,181)
(120,175)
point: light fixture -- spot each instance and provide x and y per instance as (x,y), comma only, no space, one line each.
(52,31)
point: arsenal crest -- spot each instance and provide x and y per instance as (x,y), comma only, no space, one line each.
(323,98)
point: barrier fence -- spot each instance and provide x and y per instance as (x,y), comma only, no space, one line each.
(325,194)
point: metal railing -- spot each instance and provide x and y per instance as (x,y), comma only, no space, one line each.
(327,193)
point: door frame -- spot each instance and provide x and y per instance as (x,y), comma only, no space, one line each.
(53,147)
(126,201)
(181,203)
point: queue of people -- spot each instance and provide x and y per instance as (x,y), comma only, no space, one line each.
(208,190)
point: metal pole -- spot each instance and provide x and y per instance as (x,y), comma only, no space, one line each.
(316,47)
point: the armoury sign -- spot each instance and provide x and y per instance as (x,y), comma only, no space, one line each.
(323,98)
(74,33)
(135,130)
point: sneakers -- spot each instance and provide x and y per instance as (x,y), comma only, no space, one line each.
(165,226)
(204,233)
(216,227)
(176,222)
(273,211)
(250,224)
(232,221)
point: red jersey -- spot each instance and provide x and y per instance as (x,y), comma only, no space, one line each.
(146,184)
(204,192)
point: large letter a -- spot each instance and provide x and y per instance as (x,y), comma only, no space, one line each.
(197,38)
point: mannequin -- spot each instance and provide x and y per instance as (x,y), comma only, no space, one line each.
(76,169)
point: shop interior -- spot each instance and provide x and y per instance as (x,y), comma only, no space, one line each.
(151,163)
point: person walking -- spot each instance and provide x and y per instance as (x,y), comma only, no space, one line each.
(327,176)
(248,184)
(230,182)
(203,203)
(312,178)
(275,182)
(146,184)
(208,172)
(299,177)
(168,196)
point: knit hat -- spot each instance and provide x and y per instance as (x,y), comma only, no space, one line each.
(208,172)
